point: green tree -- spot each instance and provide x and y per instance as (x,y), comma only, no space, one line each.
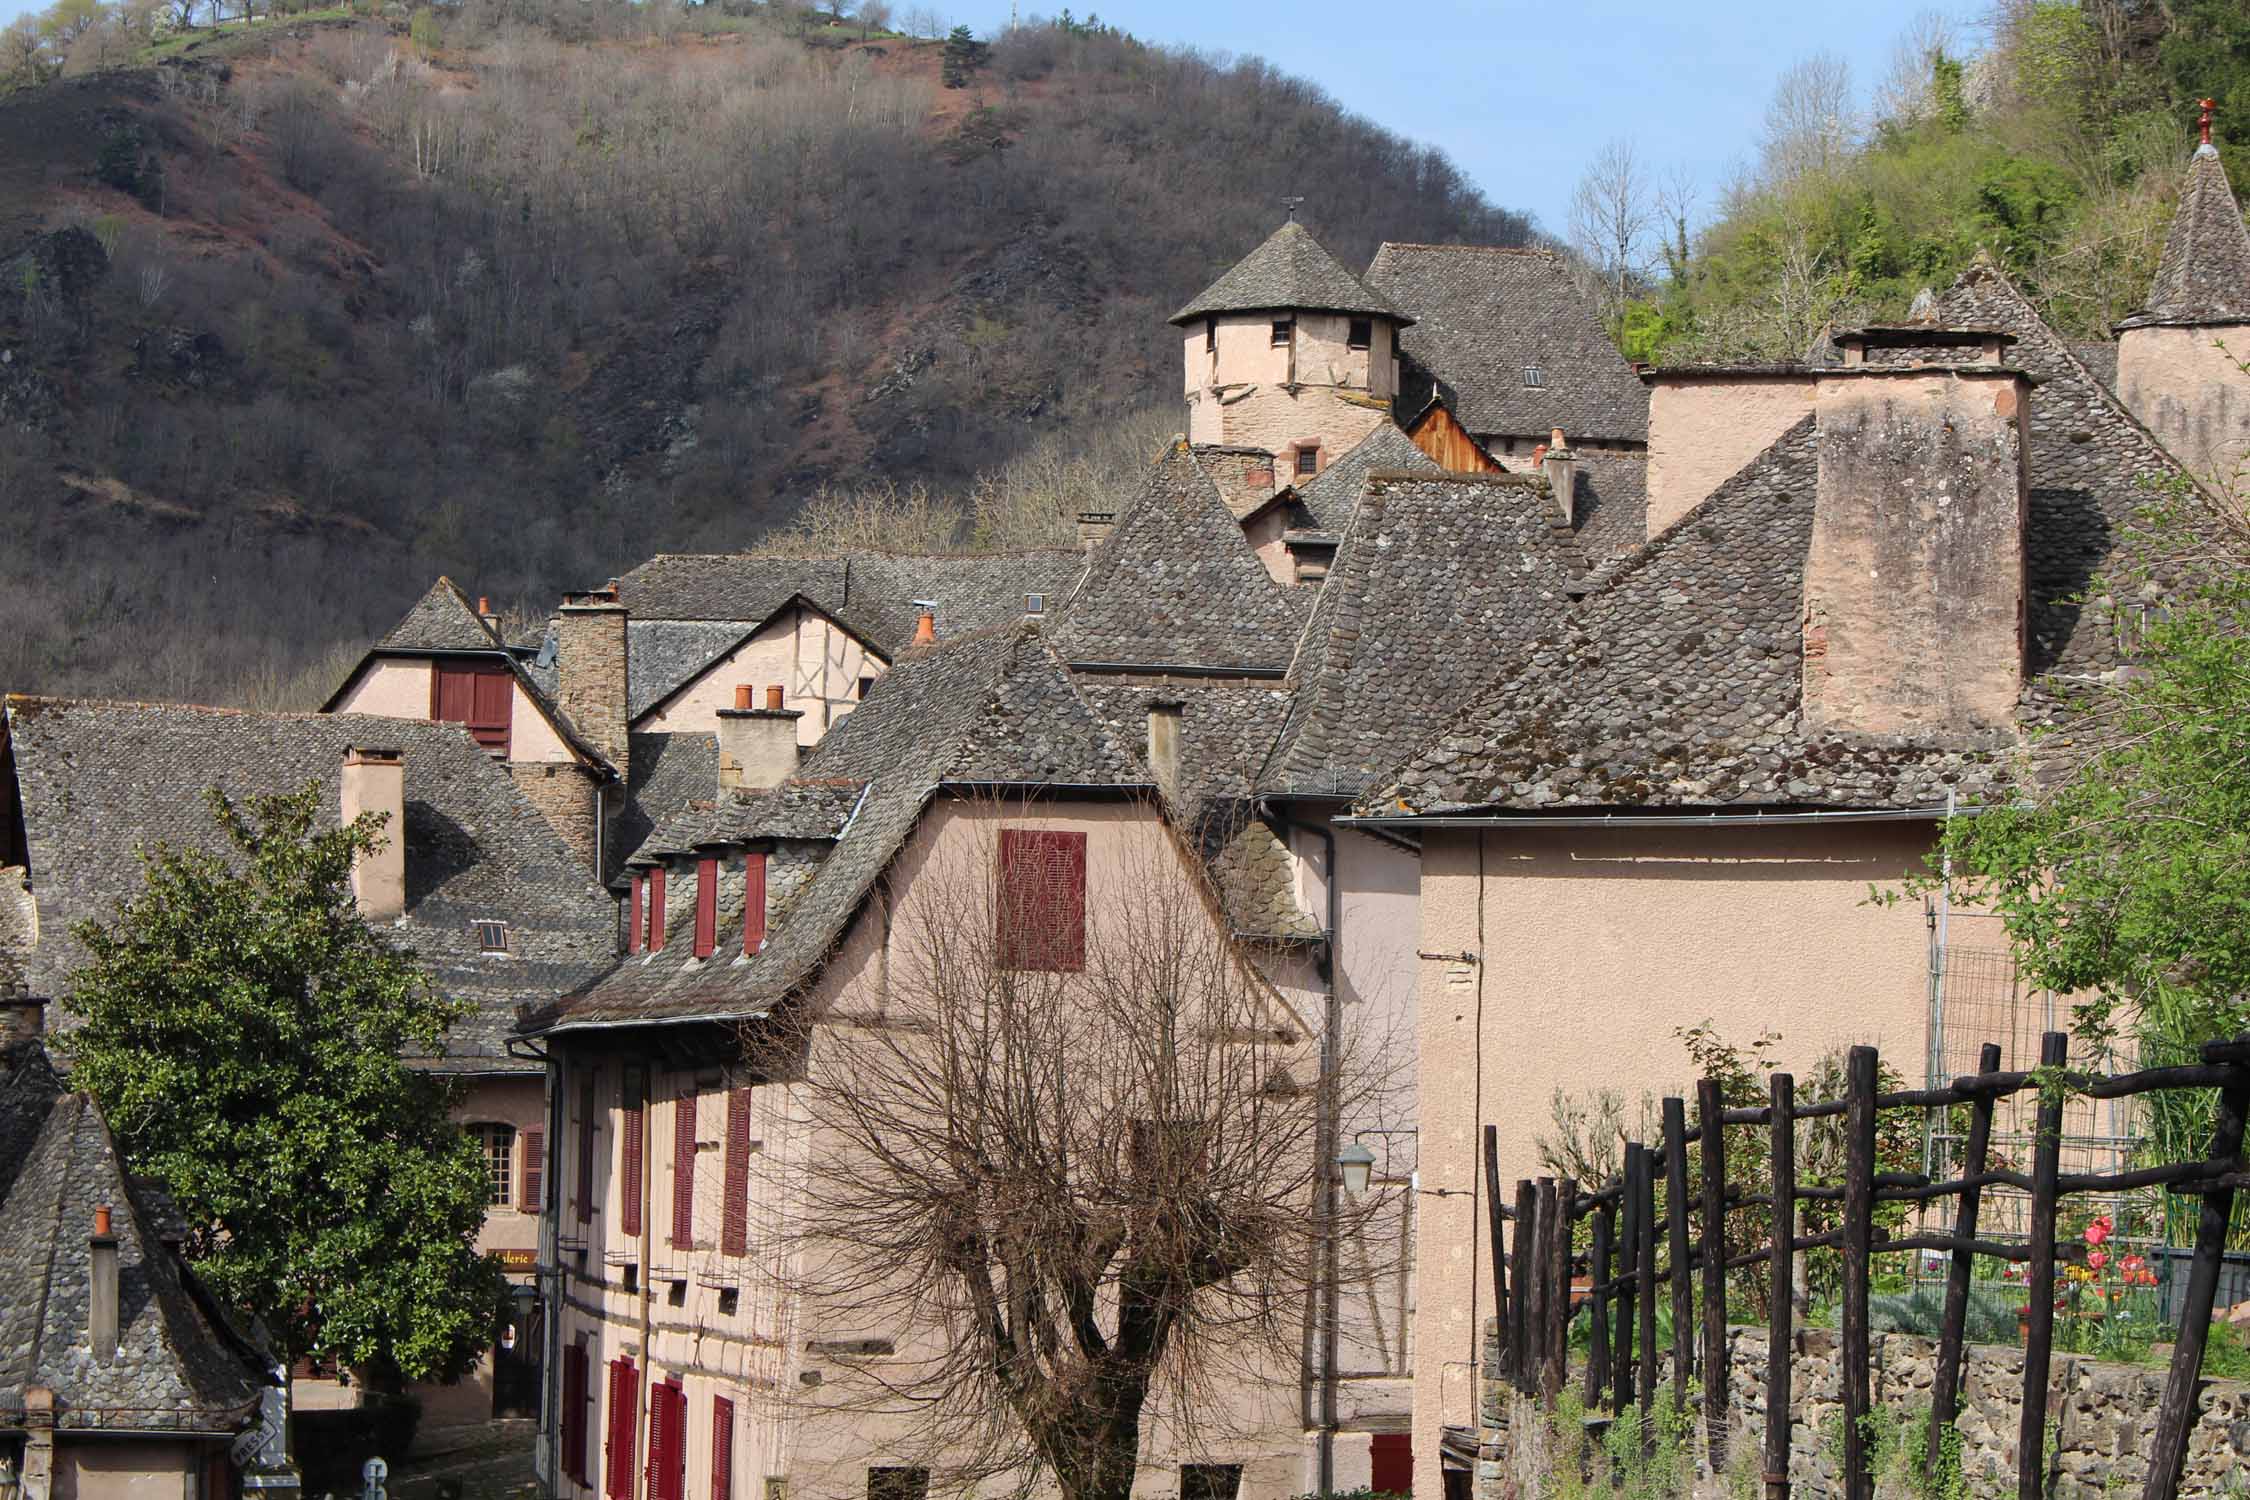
(242,1030)
(964,54)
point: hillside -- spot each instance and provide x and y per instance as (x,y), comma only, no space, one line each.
(296,315)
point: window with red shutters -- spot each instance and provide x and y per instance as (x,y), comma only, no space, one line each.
(480,696)
(722,1448)
(573,1424)
(587,1102)
(734,1228)
(706,907)
(667,1441)
(633,914)
(618,1445)
(1042,917)
(683,1171)
(753,902)
(534,1169)
(630,1147)
(656,909)
(1392,1456)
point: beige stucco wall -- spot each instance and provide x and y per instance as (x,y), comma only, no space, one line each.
(817,663)
(763,1355)
(1253,394)
(1703,428)
(399,688)
(125,1469)
(1592,946)
(2192,394)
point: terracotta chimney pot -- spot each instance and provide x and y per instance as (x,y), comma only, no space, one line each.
(925,629)
(101,1218)
(1555,438)
(773,696)
(742,695)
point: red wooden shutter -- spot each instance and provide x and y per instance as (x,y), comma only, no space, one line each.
(753,903)
(631,1134)
(706,907)
(452,693)
(586,1104)
(1393,1458)
(667,1441)
(683,1172)
(633,916)
(573,1422)
(617,1449)
(722,1448)
(1042,917)
(492,707)
(656,909)
(734,1231)
(529,1196)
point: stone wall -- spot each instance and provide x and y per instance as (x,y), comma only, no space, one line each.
(2186,387)
(2104,1416)
(568,796)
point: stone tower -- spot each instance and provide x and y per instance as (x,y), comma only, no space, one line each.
(2179,357)
(1289,355)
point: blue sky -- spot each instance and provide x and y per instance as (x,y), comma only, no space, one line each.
(1520,94)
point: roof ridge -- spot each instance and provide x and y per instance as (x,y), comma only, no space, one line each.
(1478,249)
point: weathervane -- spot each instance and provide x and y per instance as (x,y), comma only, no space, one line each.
(1291,205)
(2205,121)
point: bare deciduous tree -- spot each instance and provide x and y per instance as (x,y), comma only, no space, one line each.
(1810,123)
(1907,93)
(1081,1184)
(1610,215)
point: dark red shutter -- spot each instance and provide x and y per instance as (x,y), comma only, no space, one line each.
(586,1105)
(1393,1455)
(1042,917)
(492,708)
(633,916)
(573,1422)
(452,693)
(683,1172)
(706,907)
(734,1230)
(656,909)
(722,1448)
(617,1449)
(534,1178)
(667,1441)
(753,903)
(631,1146)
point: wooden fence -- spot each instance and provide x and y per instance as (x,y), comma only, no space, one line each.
(1626,1243)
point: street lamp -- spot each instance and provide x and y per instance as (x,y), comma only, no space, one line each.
(1358,1164)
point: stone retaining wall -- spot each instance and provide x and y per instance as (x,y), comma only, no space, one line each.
(2106,1415)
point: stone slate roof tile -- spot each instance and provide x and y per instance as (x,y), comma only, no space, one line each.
(800,809)
(1485,315)
(663,656)
(176,1368)
(1610,512)
(1289,271)
(1175,583)
(2100,359)
(1333,494)
(669,771)
(1436,580)
(2204,274)
(100,781)
(441,620)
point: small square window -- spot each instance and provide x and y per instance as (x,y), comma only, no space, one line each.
(1308,462)
(1035,604)
(866,686)
(1210,335)
(676,1295)
(492,937)
(730,1301)
(1534,377)
(631,1276)
(1282,329)
(898,1484)
(1210,1481)
(1362,333)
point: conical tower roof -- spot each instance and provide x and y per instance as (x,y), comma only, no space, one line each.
(1289,271)
(2204,276)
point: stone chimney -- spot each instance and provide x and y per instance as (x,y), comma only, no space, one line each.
(1914,582)
(757,746)
(1561,468)
(23,1018)
(375,781)
(590,667)
(101,1299)
(1706,421)
(1164,746)
(1093,525)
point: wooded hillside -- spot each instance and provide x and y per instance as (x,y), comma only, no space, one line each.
(299,312)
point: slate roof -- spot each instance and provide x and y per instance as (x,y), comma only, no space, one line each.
(1175,584)
(2204,274)
(1610,509)
(1331,495)
(1436,579)
(2100,359)
(801,809)
(1484,314)
(177,1368)
(441,620)
(100,781)
(994,708)
(669,771)
(1290,271)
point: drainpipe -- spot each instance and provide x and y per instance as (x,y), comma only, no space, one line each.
(1325,1138)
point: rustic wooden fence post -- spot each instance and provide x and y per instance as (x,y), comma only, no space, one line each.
(1710,1111)
(1628,1271)
(1597,1306)
(1558,1297)
(1496,1224)
(1676,1220)
(1780,1284)
(1645,1382)
(1858,1238)
(1945,1385)
(1542,1292)
(1519,1310)
(2175,1418)
(2039,1274)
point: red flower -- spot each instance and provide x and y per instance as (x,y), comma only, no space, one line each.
(2098,1231)
(2097,1258)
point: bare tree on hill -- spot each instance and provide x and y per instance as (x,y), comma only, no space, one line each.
(1610,213)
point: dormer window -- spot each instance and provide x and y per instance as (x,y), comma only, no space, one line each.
(1533,377)
(1282,329)
(492,938)
(1361,334)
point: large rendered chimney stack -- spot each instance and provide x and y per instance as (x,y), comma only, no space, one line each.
(1914,582)
(590,672)
(757,746)
(1561,467)
(1705,422)
(1164,747)
(101,1300)
(375,781)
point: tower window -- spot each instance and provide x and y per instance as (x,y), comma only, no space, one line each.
(1308,462)
(1210,335)
(1534,377)
(1362,333)
(1282,328)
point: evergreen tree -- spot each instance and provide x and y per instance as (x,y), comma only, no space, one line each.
(964,55)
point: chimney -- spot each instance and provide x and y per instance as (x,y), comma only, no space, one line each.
(484,613)
(375,781)
(925,628)
(1164,746)
(590,667)
(757,746)
(1914,582)
(1561,467)
(101,1299)
(1093,525)
(1706,421)
(23,1018)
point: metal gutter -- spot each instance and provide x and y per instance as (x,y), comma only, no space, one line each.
(1655,820)
(639,1021)
(1178,669)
